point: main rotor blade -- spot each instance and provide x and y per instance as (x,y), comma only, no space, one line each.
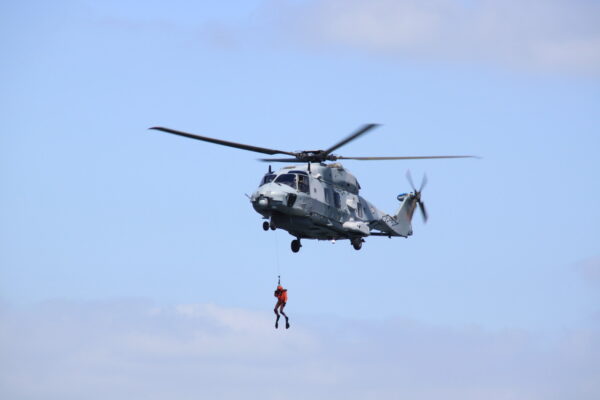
(400,158)
(364,129)
(263,150)
(280,160)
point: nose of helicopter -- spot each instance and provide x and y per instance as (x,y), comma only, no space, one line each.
(262,202)
(272,196)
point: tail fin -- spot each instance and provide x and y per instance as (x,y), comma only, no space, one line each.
(403,218)
(400,224)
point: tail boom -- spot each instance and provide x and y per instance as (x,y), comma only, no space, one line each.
(400,224)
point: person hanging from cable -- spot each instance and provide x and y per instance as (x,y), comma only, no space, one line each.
(282,298)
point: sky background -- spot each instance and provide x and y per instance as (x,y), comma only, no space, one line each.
(132,264)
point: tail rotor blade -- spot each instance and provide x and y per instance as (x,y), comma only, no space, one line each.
(423,211)
(423,183)
(409,177)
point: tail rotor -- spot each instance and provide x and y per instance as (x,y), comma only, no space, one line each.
(417,193)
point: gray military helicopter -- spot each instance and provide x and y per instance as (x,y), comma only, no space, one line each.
(317,200)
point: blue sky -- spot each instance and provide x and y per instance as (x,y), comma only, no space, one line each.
(100,215)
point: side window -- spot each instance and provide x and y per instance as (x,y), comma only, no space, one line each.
(327,196)
(303,184)
(336,200)
(359,209)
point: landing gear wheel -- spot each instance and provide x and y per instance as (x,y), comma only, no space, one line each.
(357,244)
(273,227)
(296,245)
(266,226)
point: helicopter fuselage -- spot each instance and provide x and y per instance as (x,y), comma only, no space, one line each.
(319,201)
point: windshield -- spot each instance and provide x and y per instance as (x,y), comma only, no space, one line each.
(266,179)
(287,179)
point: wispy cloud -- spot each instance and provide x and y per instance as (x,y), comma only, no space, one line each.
(555,35)
(126,350)
(590,269)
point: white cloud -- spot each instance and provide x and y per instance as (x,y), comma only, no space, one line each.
(556,35)
(130,350)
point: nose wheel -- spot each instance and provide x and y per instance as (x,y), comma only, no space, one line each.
(295,245)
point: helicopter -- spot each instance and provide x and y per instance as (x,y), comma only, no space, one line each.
(313,199)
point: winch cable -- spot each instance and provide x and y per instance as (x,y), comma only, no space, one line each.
(277,264)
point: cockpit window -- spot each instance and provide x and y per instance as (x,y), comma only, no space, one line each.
(266,179)
(287,179)
(299,182)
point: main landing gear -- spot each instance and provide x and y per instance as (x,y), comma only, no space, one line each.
(357,243)
(267,225)
(295,245)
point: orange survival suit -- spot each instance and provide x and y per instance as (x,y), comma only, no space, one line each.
(282,299)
